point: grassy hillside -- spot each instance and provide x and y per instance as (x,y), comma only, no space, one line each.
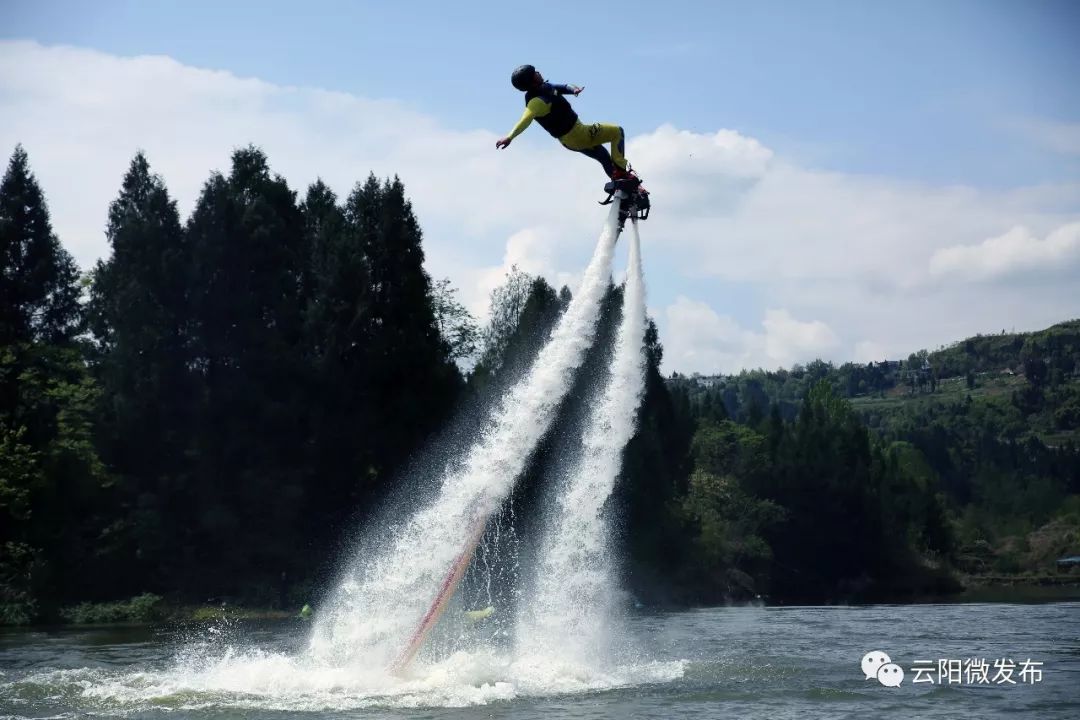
(990,423)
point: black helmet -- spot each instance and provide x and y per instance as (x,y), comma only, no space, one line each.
(522,78)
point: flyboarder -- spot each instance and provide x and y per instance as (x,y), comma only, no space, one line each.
(545,103)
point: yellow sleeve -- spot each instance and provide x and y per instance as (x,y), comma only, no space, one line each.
(536,108)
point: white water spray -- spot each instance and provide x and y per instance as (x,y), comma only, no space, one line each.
(383,598)
(573,604)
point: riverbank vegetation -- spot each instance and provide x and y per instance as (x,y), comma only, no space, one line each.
(208,413)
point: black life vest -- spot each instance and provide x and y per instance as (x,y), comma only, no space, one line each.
(562,117)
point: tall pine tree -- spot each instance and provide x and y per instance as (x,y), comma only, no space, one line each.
(53,488)
(246,290)
(336,340)
(139,316)
(39,290)
(413,381)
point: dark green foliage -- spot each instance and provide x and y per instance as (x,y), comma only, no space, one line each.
(1058,347)
(724,517)
(412,377)
(844,497)
(56,498)
(258,378)
(39,292)
(383,372)
(523,313)
(656,468)
(139,609)
(247,252)
(140,316)
(810,510)
(509,338)
(54,491)
(335,330)
(1066,400)
(21,477)
(972,447)
(455,323)
(255,379)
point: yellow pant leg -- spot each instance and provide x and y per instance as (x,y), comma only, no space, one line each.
(583,136)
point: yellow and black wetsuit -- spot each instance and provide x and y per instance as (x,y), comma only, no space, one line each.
(546,104)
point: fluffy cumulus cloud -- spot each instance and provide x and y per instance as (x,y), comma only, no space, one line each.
(82,115)
(700,338)
(752,259)
(531,250)
(1016,252)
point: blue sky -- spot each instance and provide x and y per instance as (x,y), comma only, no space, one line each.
(834,82)
(965,114)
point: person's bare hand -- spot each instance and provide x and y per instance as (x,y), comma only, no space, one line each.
(503,142)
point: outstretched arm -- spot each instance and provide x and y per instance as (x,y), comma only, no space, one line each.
(569,89)
(536,108)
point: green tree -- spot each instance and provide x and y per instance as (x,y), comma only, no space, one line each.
(828,478)
(656,469)
(140,314)
(53,487)
(337,329)
(507,304)
(20,477)
(522,314)
(411,375)
(58,500)
(726,520)
(456,325)
(241,511)
(39,290)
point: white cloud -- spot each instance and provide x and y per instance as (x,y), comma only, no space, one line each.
(532,251)
(700,338)
(788,340)
(672,153)
(867,351)
(734,225)
(82,114)
(1017,251)
(855,251)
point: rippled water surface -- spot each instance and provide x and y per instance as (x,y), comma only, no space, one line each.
(719,663)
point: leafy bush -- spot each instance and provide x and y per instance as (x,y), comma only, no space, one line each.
(142,608)
(18,613)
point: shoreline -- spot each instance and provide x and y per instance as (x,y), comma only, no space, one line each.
(1018,589)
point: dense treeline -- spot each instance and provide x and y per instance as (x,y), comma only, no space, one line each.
(811,509)
(1049,360)
(970,457)
(54,490)
(816,509)
(208,412)
(236,390)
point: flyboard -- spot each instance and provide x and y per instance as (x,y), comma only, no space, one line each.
(634,205)
(635,202)
(442,598)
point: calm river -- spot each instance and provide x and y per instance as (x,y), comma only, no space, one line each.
(753,662)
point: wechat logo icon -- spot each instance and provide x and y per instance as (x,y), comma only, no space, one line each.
(877,664)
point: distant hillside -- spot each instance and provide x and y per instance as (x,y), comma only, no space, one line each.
(1031,381)
(992,423)
(1058,346)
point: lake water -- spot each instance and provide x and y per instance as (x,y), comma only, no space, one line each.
(753,662)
